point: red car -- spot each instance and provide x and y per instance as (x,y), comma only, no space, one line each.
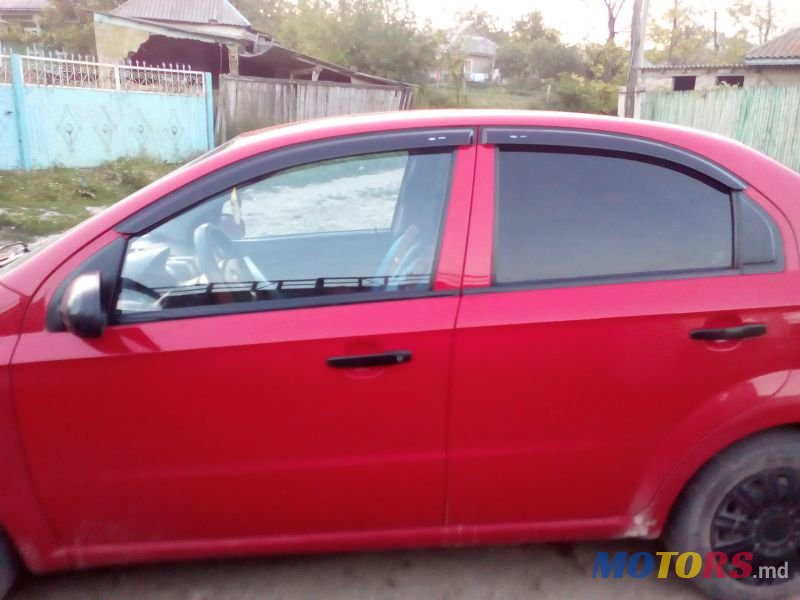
(419,329)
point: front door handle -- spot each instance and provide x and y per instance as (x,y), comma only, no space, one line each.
(382,359)
(729,333)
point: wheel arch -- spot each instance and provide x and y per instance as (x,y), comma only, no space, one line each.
(660,489)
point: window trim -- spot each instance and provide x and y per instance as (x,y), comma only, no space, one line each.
(614,142)
(778,263)
(259,306)
(372,146)
(737,198)
(265,163)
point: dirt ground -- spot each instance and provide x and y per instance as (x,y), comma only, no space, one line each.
(544,572)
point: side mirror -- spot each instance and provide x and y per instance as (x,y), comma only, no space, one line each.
(81,307)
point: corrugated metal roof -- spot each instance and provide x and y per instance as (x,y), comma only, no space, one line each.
(695,67)
(219,12)
(786,46)
(22,4)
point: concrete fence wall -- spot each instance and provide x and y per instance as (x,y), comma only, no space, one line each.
(765,118)
(56,112)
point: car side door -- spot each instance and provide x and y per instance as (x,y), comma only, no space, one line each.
(622,297)
(277,360)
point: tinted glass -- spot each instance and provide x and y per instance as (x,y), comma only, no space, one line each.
(359,225)
(757,234)
(563,215)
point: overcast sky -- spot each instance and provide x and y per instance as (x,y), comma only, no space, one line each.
(580,20)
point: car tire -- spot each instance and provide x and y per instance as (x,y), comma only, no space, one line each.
(8,566)
(747,498)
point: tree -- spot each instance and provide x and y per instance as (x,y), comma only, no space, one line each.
(679,38)
(268,16)
(756,19)
(575,93)
(482,23)
(513,60)
(67,25)
(607,62)
(613,8)
(452,64)
(531,27)
(534,52)
(379,37)
(732,49)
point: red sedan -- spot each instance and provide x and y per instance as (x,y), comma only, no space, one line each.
(416,329)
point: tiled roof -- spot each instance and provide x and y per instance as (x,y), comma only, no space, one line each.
(786,46)
(218,12)
(22,4)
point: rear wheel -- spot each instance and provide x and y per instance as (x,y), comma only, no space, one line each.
(746,500)
(8,565)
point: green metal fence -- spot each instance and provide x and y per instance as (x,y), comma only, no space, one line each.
(765,118)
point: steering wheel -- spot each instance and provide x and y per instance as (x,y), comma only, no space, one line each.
(398,252)
(218,258)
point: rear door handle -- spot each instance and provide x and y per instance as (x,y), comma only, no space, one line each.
(382,359)
(729,333)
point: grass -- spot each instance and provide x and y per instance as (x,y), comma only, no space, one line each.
(44,202)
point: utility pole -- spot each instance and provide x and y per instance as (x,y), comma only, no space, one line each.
(638,32)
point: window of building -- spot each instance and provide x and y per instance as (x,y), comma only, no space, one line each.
(683,83)
(731,80)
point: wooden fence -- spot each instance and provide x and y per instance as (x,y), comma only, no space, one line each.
(246,103)
(764,118)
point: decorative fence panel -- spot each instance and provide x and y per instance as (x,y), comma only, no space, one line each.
(81,114)
(9,138)
(765,118)
(246,103)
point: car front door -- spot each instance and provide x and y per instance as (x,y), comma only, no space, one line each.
(602,274)
(277,363)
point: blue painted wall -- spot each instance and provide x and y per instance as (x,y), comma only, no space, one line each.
(9,138)
(85,127)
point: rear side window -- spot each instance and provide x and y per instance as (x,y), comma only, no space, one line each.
(572,215)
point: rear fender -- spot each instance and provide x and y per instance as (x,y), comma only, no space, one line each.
(737,421)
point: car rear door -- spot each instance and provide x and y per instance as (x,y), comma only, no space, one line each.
(603,275)
(312,401)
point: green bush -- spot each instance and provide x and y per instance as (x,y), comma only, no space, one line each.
(571,92)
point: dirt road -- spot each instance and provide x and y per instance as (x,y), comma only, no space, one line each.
(543,572)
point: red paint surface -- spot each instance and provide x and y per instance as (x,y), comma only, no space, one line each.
(524,415)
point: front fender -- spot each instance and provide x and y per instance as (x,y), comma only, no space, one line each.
(20,514)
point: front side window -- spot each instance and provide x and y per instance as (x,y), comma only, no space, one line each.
(358,225)
(572,215)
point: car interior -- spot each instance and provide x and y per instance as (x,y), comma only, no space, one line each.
(212,254)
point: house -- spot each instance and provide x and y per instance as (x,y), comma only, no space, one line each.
(480,52)
(476,51)
(24,13)
(208,35)
(776,63)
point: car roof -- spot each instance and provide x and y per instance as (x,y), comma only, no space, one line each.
(383,121)
(713,146)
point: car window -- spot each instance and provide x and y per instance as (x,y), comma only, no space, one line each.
(567,214)
(315,198)
(355,227)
